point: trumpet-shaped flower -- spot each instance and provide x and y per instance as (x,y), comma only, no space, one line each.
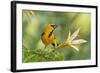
(70,41)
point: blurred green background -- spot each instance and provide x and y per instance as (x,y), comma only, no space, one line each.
(33,23)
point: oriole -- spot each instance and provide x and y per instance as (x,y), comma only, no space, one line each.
(48,37)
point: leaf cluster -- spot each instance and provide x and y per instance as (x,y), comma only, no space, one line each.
(42,55)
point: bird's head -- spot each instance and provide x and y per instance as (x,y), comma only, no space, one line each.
(51,26)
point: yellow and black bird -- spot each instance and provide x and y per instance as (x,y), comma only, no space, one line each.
(48,37)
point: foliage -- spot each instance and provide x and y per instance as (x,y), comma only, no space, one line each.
(42,55)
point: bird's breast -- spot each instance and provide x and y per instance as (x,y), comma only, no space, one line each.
(47,40)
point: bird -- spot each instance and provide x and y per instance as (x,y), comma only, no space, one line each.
(48,36)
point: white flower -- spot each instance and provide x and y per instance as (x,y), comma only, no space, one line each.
(70,41)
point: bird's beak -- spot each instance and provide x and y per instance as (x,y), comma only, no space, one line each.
(54,26)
